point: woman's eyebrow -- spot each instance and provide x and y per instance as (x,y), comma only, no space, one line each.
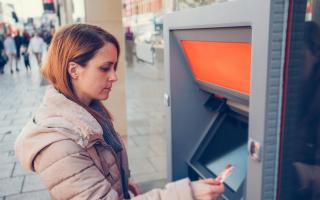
(108,63)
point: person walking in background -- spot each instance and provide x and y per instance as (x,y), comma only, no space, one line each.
(24,49)
(25,56)
(47,37)
(36,47)
(18,42)
(3,57)
(11,52)
(72,132)
(129,40)
(25,38)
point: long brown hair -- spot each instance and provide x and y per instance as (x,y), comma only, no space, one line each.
(75,43)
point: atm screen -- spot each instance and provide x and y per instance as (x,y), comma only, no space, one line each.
(228,146)
(224,64)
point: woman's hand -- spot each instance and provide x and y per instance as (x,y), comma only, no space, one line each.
(207,189)
(134,188)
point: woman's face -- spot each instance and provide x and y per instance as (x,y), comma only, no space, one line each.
(94,81)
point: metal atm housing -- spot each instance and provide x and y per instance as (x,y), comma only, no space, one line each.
(223,67)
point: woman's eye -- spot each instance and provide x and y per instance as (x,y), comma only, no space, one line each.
(105,69)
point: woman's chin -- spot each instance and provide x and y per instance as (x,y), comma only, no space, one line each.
(104,97)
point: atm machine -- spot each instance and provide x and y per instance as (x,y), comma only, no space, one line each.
(224,71)
(220,66)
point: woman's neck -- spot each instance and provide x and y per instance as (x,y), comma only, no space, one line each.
(83,98)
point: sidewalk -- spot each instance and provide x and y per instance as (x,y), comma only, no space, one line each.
(21,94)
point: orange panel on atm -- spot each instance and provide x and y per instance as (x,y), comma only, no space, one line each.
(225,64)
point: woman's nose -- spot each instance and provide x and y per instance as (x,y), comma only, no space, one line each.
(113,76)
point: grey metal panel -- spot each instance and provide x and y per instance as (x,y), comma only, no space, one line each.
(207,16)
(230,34)
(186,100)
(241,98)
(168,42)
(278,25)
(257,108)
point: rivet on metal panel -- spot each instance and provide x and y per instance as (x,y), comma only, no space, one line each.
(254,149)
(166,99)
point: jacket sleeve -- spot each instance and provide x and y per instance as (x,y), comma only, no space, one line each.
(179,190)
(68,172)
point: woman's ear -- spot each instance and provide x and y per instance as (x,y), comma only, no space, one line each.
(73,70)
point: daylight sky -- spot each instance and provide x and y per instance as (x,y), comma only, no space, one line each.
(27,8)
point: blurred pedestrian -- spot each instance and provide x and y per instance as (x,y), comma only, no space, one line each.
(25,56)
(18,42)
(3,57)
(71,142)
(36,47)
(129,40)
(25,38)
(11,51)
(47,37)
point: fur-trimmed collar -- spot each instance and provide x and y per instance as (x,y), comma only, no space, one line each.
(62,114)
(57,118)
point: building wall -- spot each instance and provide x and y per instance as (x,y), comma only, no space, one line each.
(66,10)
(107,14)
(137,7)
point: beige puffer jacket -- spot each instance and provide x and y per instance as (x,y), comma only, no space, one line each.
(63,144)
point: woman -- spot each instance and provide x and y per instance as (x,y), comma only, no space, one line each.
(70,142)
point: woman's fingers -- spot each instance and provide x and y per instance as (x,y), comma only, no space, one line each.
(210,181)
(134,188)
(207,189)
(213,188)
(217,189)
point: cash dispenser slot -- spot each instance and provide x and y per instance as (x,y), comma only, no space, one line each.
(224,142)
